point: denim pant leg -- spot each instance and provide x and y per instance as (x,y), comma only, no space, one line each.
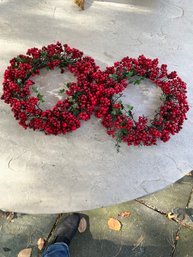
(57,250)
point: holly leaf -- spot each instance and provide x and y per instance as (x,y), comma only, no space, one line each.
(129,107)
(74,105)
(137,82)
(43,54)
(34,89)
(19,81)
(71,100)
(75,112)
(40,97)
(21,60)
(163,97)
(114,112)
(129,73)
(113,76)
(61,91)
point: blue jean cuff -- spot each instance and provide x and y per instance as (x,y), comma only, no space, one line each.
(59,249)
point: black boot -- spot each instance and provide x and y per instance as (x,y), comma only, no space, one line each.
(67,228)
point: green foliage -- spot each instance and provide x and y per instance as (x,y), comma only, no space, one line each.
(43,54)
(128,73)
(113,76)
(68,84)
(19,82)
(35,89)
(38,94)
(118,135)
(61,91)
(40,97)
(129,107)
(138,81)
(115,111)
(163,97)
(21,59)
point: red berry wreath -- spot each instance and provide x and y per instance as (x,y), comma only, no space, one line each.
(65,116)
(118,119)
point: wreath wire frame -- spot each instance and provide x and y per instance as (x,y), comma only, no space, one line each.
(65,116)
(118,119)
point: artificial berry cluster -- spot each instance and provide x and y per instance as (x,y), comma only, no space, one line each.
(118,119)
(65,116)
(95,91)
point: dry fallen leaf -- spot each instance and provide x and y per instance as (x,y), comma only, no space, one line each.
(114,224)
(124,214)
(80,3)
(82,225)
(25,252)
(40,243)
(10,216)
(170,215)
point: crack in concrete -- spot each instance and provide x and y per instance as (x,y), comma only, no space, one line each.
(150,207)
(175,241)
(180,224)
(13,159)
(54,12)
(145,183)
(174,161)
(52,230)
(175,6)
(9,163)
(189,198)
(177,235)
(163,213)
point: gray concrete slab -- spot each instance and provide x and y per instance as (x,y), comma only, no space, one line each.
(184,246)
(144,233)
(24,232)
(48,174)
(187,220)
(176,195)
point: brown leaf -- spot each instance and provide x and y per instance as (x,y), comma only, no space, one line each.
(10,216)
(124,214)
(40,243)
(82,225)
(25,252)
(80,3)
(114,224)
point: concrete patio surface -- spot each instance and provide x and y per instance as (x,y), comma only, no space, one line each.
(82,170)
(147,232)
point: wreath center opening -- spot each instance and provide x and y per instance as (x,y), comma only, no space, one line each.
(51,86)
(144,98)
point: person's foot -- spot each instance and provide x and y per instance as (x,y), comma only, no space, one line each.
(68,226)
